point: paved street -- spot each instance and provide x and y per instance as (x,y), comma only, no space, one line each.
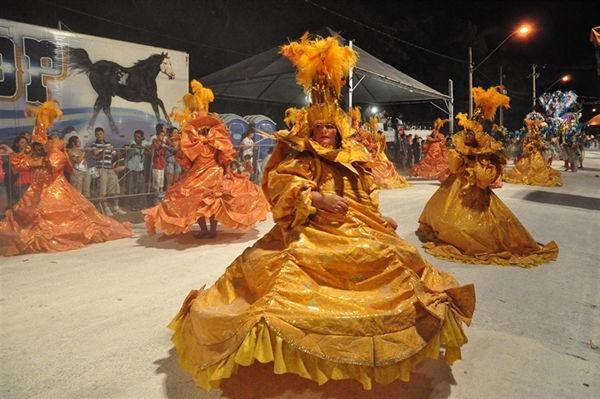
(92,323)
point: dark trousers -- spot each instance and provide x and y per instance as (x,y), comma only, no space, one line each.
(137,185)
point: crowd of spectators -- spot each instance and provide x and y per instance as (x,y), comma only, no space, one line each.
(118,180)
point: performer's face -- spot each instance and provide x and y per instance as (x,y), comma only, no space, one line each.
(38,151)
(470,137)
(325,134)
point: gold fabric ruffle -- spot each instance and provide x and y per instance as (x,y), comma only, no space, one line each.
(532,168)
(322,295)
(204,191)
(465,222)
(434,164)
(52,216)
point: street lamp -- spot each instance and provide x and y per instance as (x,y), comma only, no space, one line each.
(522,31)
(564,79)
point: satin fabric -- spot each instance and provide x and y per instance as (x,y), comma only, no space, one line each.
(323,295)
(52,215)
(465,222)
(203,190)
(434,164)
(532,168)
(384,172)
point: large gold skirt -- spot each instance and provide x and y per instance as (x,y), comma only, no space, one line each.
(342,297)
(532,169)
(472,225)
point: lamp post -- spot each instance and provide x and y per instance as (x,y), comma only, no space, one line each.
(564,79)
(523,31)
(534,76)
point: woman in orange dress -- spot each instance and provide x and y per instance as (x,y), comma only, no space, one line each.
(434,164)
(205,154)
(384,171)
(52,216)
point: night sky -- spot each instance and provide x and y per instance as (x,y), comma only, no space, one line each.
(427,40)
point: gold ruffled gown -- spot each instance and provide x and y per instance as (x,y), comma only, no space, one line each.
(465,222)
(532,168)
(434,164)
(323,295)
(384,172)
(202,191)
(52,215)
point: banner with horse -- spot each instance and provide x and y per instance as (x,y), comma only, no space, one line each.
(99,82)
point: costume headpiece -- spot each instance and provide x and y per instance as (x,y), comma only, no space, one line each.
(43,117)
(486,104)
(195,109)
(323,65)
(195,121)
(437,125)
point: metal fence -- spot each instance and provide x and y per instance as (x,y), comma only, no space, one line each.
(135,189)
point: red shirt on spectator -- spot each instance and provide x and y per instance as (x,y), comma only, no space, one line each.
(249,168)
(159,158)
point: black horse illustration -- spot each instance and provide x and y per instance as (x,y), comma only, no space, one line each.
(135,84)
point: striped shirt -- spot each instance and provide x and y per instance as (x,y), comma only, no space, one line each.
(106,161)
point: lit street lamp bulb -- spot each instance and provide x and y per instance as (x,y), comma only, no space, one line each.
(523,30)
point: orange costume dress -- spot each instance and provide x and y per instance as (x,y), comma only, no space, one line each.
(202,191)
(532,168)
(384,172)
(465,222)
(434,164)
(323,295)
(53,216)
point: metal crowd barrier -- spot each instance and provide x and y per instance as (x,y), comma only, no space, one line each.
(128,192)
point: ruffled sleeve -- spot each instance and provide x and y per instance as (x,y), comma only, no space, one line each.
(290,186)
(485,173)
(218,139)
(455,161)
(22,162)
(56,159)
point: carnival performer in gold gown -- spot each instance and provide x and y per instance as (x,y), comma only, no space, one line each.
(331,292)
(434,164)
(52,216)
(384,172)
(464,221)
(205,153)
(532,168)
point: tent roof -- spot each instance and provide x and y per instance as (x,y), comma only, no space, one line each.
(271,77)
(594,121)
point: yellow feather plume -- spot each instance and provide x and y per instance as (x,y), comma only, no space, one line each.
(437,125)
(322,65)
(355,115)
(44,117)
(462,118)
(489,100)
(198,100)
(45,114)
(294,117)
